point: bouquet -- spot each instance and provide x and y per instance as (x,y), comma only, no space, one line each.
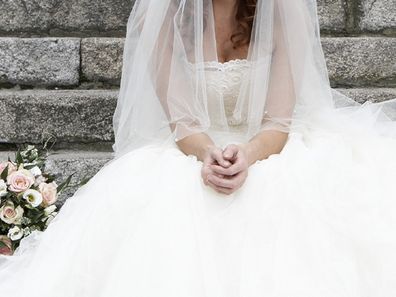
(27,197)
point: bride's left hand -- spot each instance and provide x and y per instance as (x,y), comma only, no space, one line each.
(234,175)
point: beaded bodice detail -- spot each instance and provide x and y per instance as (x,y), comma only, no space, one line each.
(223,83)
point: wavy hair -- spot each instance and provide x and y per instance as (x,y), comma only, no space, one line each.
(246,10)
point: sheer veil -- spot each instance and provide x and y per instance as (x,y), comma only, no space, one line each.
(163,91)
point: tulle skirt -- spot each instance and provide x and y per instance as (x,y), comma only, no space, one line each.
(318,219)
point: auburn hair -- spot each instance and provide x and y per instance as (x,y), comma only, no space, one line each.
(246,10)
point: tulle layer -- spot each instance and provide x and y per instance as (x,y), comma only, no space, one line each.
(316,220)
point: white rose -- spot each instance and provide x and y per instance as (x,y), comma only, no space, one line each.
(11,215)
(33,197)
(35,171)
(3,188)
(50,209)
(19,215)
(15,233)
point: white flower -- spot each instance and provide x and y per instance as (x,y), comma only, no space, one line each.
(35,171)
(50,218)
(3,188)
(15,233)
(11,215)
(26,231)
(33,197)
(40,179)
(19,214)
(50,209)
(25,221)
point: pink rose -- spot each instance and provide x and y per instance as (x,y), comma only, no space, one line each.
(5,246)
(11,167)
(11,215)
(20,180)
(49,193)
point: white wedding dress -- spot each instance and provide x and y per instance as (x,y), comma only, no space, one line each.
(316,220)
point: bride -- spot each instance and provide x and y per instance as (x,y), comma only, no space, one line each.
(238,171)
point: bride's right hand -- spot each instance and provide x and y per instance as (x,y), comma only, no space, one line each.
(214,156)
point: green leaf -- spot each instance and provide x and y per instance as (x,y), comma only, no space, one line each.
(66,183)
(84,181)
(28,167)
(2,244)
(4,173)
(18,157)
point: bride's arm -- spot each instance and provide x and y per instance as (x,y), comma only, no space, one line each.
(170,86)
(203,147)
(264,145)
(280,103)
(197,144)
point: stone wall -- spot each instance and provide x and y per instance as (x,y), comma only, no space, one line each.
(60,67)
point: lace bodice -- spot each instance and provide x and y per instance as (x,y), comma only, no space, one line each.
(223,86)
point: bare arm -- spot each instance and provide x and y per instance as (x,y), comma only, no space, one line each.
(264,145)
(197,144)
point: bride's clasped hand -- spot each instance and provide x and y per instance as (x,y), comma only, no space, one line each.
(225,170)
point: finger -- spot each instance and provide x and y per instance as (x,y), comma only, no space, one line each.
(206,171)
(230,171)
(218,156)
(222,182)
(221,190)
(230,152)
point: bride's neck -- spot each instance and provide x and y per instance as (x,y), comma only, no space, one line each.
(225,10)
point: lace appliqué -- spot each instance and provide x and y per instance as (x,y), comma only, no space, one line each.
(224,80)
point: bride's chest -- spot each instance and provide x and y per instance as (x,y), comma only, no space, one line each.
(225,79)
(223,86)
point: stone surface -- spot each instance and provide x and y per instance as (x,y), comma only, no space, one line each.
(40,61)
(332,15)
(373,95)
(364,61)
(378,15)
(64,17)
(103,18)
(83,116)
(84,165)
(102,59)
(360,61)
(64,163)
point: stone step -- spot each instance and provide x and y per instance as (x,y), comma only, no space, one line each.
(64,17)
(109,17)
(72,116)
(352,62)
(361,62)
(377,16)
(64,163)
(51,62)
(85,116)
(40,61)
